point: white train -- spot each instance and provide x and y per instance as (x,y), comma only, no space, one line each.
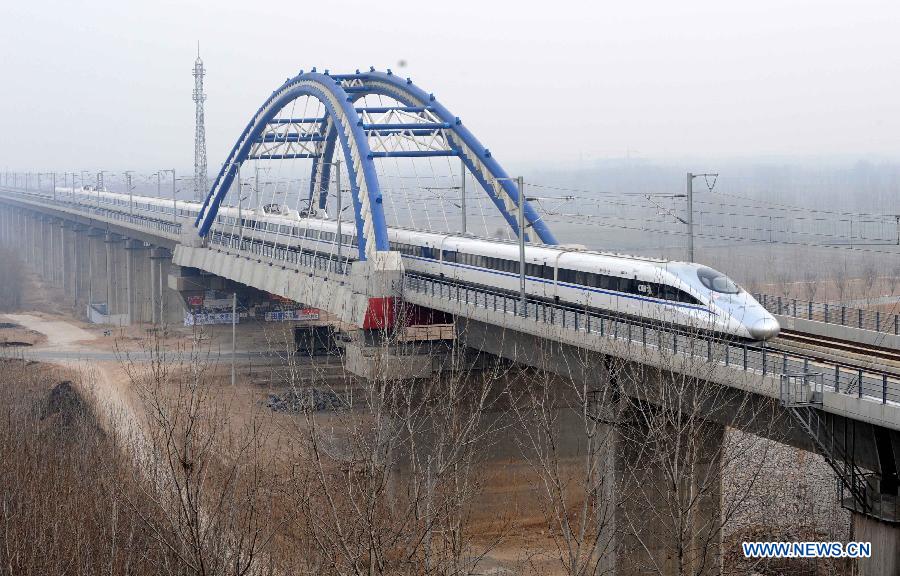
(660,291)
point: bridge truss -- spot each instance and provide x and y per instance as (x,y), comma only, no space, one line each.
(392,143)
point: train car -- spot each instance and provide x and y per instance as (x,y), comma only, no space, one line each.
(684,294)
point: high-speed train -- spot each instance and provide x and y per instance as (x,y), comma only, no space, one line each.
(659,291)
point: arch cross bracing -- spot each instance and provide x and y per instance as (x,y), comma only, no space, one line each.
(364,135)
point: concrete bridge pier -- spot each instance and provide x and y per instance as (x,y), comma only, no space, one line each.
(137,281)
(158,282)
(63,260)
(666,523)
(168,304)
(56,252)
(43,248)
(96,267)
(115,269)
(33,246)
(80,258)
(661,482)
(48,232)
(67,244)
(885,539)
(8,223)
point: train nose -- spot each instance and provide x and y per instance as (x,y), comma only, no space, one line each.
(764,329)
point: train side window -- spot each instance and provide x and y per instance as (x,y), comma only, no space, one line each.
(686,298)
(566,275)
(626,285)
(449,256)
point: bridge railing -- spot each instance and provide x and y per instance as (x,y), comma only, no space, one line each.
(100,211)
(282,254)
(858,381)
(831,313)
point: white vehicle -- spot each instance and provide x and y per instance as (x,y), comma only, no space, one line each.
(659,291)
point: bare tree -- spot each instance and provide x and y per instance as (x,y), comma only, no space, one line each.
(811,279)
(386,479)
(869,283)
(568,436)
(209,477)
(843,283)
(674,455)
(893,278)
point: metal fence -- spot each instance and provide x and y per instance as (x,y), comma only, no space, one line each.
(284,254)
(831,313)
(139,220)
(860,382)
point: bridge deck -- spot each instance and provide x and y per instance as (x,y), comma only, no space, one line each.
(867,395)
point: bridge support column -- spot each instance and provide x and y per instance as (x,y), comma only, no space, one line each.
(7,220)
(50,242)
(663,480)
(44,250)
(136,298)
(80,257)
(8,228)
(33,237)
(666,524)
(171,304)
(56,249)
(885,539)
(36,244)
(115,274)
(64,260)
(96,267)
(157,282)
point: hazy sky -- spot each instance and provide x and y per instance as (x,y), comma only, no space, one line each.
(107,84)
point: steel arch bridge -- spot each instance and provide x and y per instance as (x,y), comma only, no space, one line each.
(364,135)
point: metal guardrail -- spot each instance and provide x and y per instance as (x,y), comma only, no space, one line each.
(229,241)
(113,214)
(874,385)
(831,313)
(279,253)
(871,384)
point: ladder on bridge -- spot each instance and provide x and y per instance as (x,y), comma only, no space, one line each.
(801,395)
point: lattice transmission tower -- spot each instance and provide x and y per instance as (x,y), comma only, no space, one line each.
(201,185)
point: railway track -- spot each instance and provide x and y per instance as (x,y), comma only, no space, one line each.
(843,345)
(860,356)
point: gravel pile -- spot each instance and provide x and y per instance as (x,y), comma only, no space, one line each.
(305,399)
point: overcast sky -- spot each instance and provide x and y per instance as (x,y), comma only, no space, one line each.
(107,84)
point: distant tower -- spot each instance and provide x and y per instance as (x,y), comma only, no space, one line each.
(201,186)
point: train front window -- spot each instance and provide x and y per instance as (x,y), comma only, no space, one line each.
(716,281)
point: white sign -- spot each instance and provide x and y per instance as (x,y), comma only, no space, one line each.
(303,314)
(207,319)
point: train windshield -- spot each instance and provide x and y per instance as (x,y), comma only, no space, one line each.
(716,281)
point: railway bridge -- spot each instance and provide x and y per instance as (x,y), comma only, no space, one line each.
(130,258)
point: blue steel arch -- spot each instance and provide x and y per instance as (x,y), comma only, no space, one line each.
(365,188)
(346,128)
(495,181)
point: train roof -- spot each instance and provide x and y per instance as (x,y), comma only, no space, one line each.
(535,251)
